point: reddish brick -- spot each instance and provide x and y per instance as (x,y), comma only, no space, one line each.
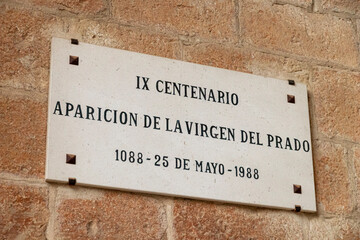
(115,215)
(23,211)
(339,6)
(293,30)
(332,181)
(209,19)
(204,220)
(336,99)
(23,136)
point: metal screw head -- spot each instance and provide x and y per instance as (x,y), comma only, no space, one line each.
(297,189)
(72,181)
(74,41)
(70,159)
(74,60)
(291,98)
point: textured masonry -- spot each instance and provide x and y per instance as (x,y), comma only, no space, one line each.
(315,42)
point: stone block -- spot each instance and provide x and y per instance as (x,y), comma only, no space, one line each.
(25,49)
(25,39)
(81,7)
(23,136)
(293,30)
(245,60)
(339,6)
(202,18)
(335,228)
(23,211)
(300,3)
(216,55)
(332,182)
(206,220)
(356,158)
(110,215)
(336,100)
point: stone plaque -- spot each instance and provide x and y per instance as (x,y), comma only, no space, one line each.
(135,122)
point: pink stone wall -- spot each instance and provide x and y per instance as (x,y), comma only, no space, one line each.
(315,42)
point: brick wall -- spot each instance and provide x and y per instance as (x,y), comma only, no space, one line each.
(311,41)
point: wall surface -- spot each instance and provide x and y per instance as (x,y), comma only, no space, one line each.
(311,41)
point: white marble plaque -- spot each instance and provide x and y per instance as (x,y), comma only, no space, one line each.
(135,122)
